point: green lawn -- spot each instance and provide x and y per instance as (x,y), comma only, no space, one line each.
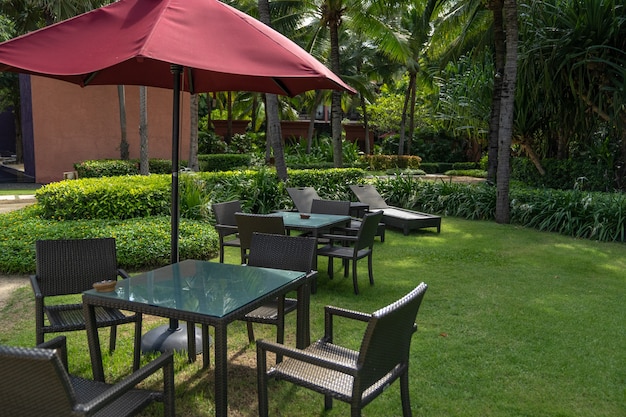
(515,322)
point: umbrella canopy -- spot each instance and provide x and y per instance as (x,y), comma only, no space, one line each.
(185,45)
(134,42)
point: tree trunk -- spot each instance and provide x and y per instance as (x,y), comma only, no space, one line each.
(405,112)
(411,131)
(274,132)
(366,126)
(144,161)
(494,119)
(335,107)
(193,163)
(506,113)
(229,117)
(121,97)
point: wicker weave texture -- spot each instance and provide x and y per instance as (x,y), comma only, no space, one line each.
(35,382)
(355,377)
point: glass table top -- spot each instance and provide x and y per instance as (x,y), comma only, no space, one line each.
(292,219)
(203,287)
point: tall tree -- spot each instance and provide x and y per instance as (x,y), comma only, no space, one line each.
(507,101)
(193,134)
(273,128)
(121,100)
(144,160)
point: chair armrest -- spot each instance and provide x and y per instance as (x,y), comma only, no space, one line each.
(343,238)
(34,282)
(263,346)
(122,273)
(60,344)
(225,229)
(331,311)
(165,361)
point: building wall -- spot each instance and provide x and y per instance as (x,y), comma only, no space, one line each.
(71,124)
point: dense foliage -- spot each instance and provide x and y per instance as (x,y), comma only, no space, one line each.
(142,243)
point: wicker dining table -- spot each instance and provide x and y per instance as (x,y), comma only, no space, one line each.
(205,293)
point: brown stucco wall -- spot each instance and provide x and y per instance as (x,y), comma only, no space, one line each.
(72,124)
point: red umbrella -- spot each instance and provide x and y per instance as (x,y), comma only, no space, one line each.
(191,45)
(133,42)
(206,45)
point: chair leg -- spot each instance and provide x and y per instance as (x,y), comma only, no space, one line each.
(112,339)
(221,254)
(354,278)
(370,268)
(404,393)
(330,267)
(328,402)
(346,265)
(250,332)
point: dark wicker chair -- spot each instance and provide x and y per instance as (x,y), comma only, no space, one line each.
(355,377)
(303,197)
(342,208)
(260,223)
(292,253)
(35,382)
(71,266)
(226,225)
(352,248)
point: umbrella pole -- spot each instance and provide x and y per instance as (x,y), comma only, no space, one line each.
(174,337)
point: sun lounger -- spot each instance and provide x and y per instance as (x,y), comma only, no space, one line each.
(394,216)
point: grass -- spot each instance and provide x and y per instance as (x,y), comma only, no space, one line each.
(515,322)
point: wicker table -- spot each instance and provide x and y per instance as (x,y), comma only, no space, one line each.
(201,292)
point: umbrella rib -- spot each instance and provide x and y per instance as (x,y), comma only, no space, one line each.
(283,87)
(90,77)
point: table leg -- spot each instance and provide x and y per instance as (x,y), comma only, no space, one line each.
(93,340)
(221,380)
(303,330)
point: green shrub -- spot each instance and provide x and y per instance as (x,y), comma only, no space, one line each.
(436,167)
(116,167)
(476,173)
(106,198)
(565,174)
(385,162)
(589,215)
(465,166)
(106,168)
(142,243)
(223,162)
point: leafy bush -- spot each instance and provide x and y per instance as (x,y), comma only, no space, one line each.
(476,173)
(106,198)
(589,215)
(106,168)
(116,167)
(142,243)
(223,162)
(565,174)
(465,166)
(384,162)
(436,167)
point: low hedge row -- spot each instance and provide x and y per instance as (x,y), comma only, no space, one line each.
(583,214)
(132,196)
(142,243)
(385,162)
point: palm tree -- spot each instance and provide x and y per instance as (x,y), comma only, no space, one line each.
(507,100)
(325,20)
